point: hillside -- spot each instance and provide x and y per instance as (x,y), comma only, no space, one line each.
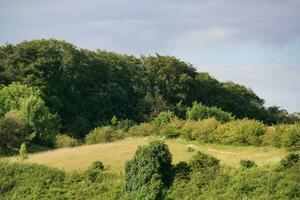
(115,154)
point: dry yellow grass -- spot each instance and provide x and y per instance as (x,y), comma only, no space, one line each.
(115,154)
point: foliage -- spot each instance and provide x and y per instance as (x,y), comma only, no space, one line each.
(149,171)
(40,122)
(200,111)
(287,136)
(247,164)
(30,181)
(240,132)
(163,118)
(103,134)
(12,132)
(23,151)
(12,96)
(202,178)
(201,130)
(62,141)
(125,124)
(94,171)
(144,129)
(172,129)
(114,120)
(202,161)
(290,160)
(87,88)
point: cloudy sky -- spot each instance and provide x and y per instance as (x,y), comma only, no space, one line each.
(252,42)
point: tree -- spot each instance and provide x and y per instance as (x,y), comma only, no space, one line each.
(149,171)
(199,111)
(41,124)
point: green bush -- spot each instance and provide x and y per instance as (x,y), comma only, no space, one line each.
(199,111)
(247,164)
(31,181)
(164,118)
(144,129)
(290,160)
(23,151)
(149,171)
(94,171)
(203,161)
(125,124)
(62,141)
(240,132)
(290,136)
(12,133)
(103,134)
(182,170)
(200,130)
(287,136)
(171,129)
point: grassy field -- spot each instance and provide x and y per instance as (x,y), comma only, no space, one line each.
(115,154)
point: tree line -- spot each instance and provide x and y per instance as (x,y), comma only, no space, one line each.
(76,89)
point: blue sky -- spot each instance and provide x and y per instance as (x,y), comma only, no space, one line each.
(252,42)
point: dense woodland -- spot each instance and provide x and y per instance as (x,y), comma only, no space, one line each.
(80,89)
(53,95)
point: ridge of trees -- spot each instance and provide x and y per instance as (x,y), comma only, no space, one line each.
(85,89)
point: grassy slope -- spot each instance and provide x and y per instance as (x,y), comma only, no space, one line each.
(117,153)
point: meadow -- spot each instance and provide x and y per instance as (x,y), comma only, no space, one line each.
(115,154)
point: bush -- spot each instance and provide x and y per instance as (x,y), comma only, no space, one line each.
(164,118)
(247,164)
(12,133)
(203,161)
(62,141)
(23,151)
(182,170)
(171,129)
(103,134)
(144,129)
(240,132)
(199,111)
(200,130)
(290,160)
(287,136)
(204,169)
(94,171)
(125,124)
(290,136)
(149,171)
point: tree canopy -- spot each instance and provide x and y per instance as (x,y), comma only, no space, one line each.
(87,88)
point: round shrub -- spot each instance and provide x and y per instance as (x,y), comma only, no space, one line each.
(150,170)
(247,164)
(290,160)
(182,170)
(164,118)
(200,111)
(62,141)
(202,161)
(103,134)
(95,170)
(144,129)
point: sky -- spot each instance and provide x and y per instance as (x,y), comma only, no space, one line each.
(252,42)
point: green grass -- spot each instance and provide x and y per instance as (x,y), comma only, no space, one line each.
(115,154)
